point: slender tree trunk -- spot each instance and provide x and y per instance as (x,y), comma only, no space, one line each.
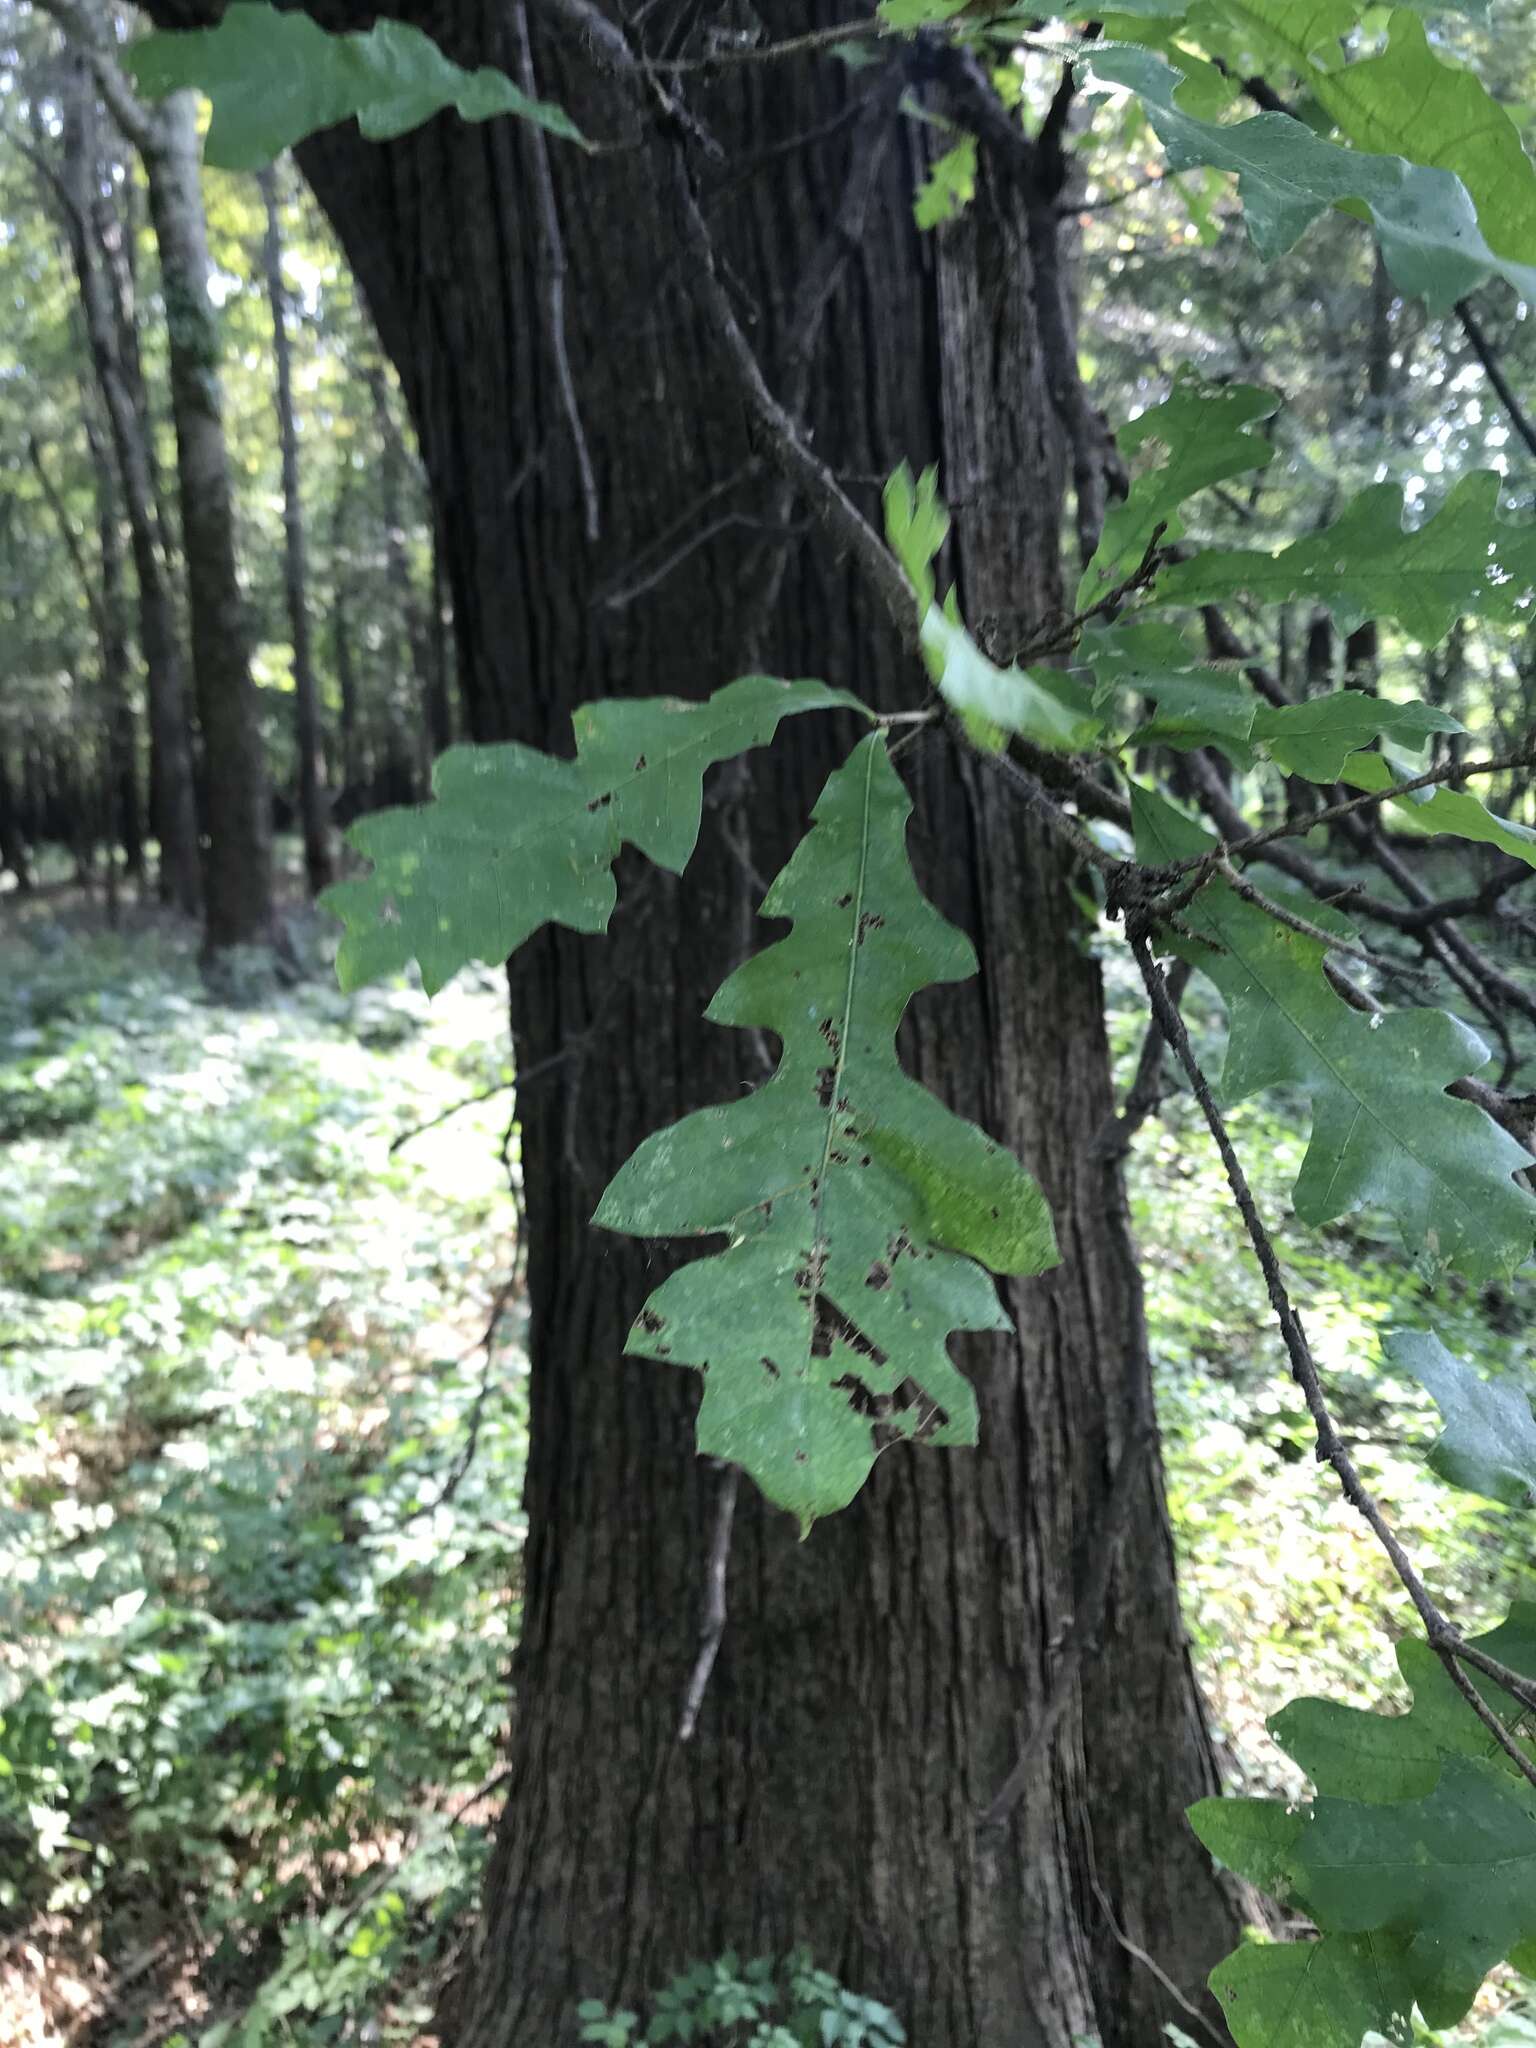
(392,476)
(439,677)
(126,817)
(876,1683)
(314,803)
(238,866)
(13,845)
(341,632)
(173,809)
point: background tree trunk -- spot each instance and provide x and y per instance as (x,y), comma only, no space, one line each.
(238,866)
(412,631)
(122,746)
(173,808)
(314,806)
(13,845)
(877,1682)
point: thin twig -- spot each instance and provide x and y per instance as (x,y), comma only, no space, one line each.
(1146,1090)
(555,275)
(713,1631)
(1150,1963)
(781,435)
(1522,757)
(1335,942)
(1090,1601)
(1486,1715)
(1441,1633)
(1484,350)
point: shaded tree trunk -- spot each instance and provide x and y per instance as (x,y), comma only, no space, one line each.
(314,805)
(173,806)
(13,845)
(341,631)
(125,814)
(876,1683)
(413,627)
(238,865)
(439,678)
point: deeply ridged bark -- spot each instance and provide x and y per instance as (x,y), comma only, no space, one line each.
(875,1683)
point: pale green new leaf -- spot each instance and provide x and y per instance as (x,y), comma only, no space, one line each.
(1384,1133)
(1287,176)
(1488,1445)
(1042,704)
(916,525)
(1442,809)
(1205,434)
(274,77)
(1464,560)
(860,1212)
(514,838)
(949,187)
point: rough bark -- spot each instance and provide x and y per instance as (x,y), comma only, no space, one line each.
(314,805)
(238,864)
(173,807)
(876,1683)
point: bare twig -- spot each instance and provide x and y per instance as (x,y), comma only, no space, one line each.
(781,435)
(1146,1089)
(1150,1963)
(1487,355)
(554,279)
(713,1630)
(1523,757)
(1441,1633)
(1490,1720)
(1090,1601)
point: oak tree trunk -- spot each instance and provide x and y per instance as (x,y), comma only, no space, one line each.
(238,834)
(314,803)
(876,1683)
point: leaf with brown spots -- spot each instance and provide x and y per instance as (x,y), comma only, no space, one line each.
(514,839)
(861,1212)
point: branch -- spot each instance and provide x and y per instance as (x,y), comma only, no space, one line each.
(554,278)
(70,538)
(1442,1635)
(1145,1093)
(137,121)
(1523,757)
(714,1602)
(1089,1601)
(781,436)
(1483,349)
